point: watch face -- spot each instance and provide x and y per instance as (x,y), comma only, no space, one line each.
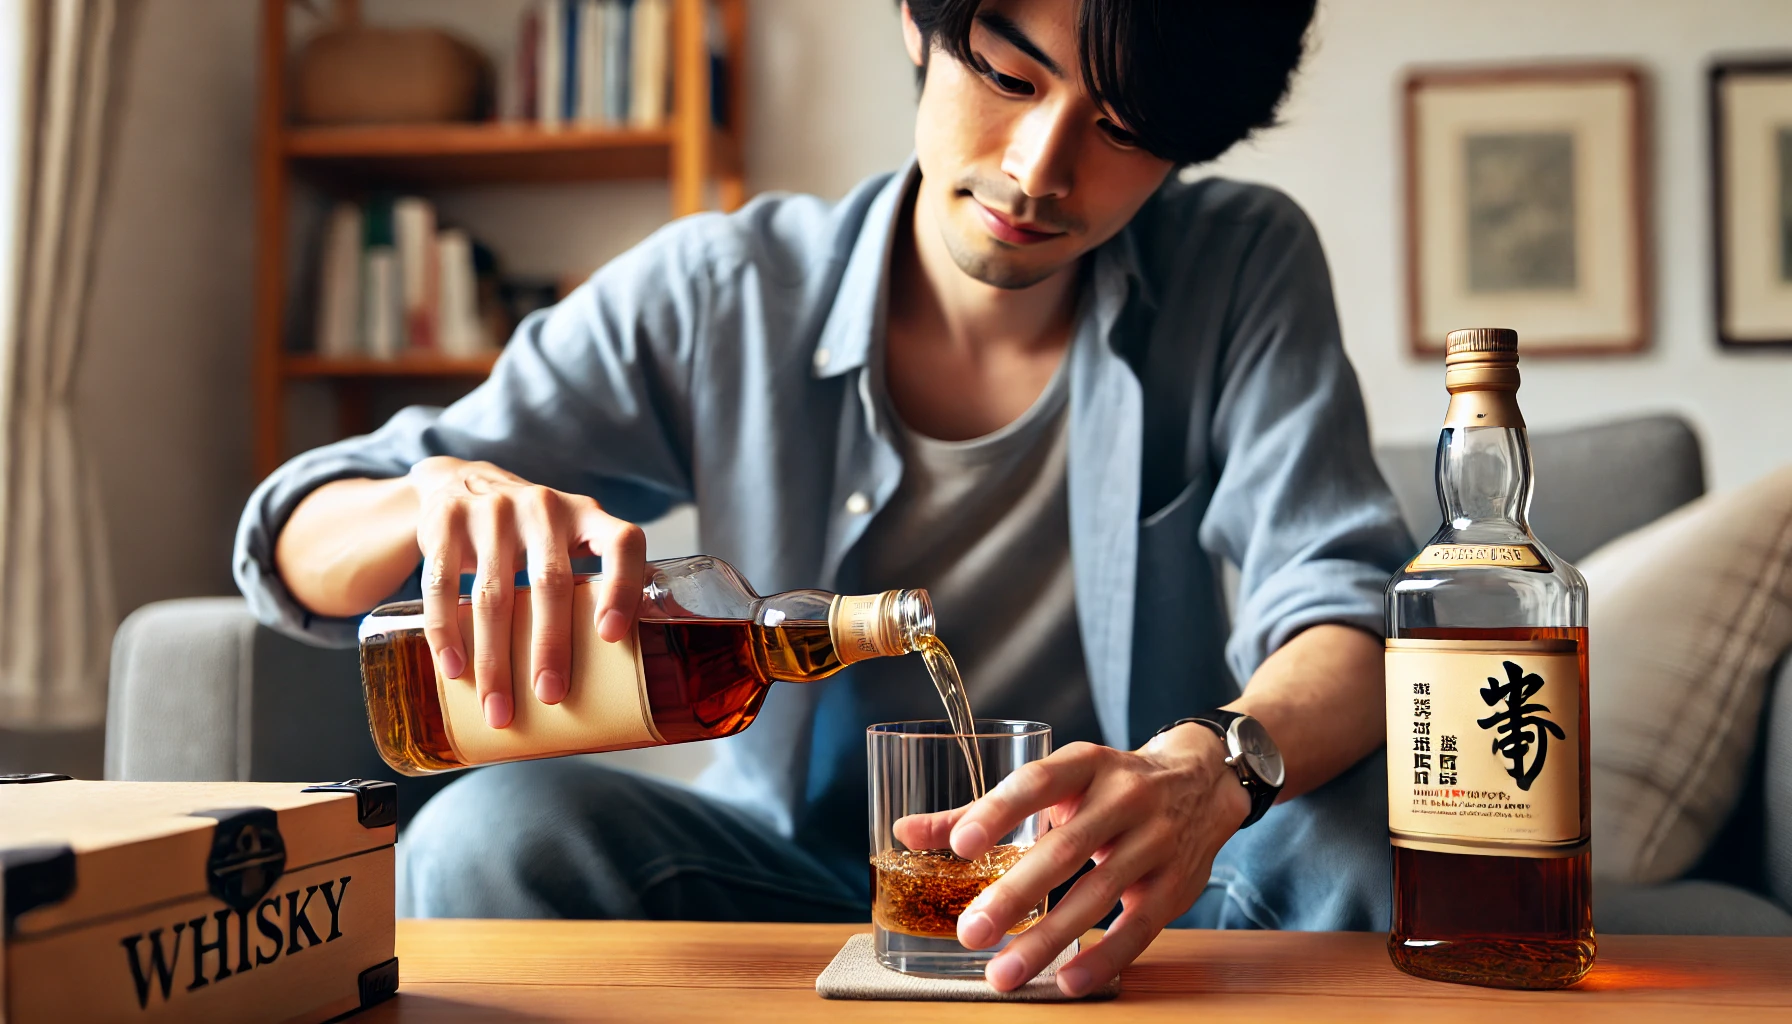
(1259,751)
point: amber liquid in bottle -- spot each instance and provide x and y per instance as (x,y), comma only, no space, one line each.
(705,679)
(1520,922)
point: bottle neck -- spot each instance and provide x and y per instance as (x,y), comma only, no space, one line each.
(880,625)
(1484,477)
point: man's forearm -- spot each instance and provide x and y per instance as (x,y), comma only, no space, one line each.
(1321,698)
(349,545)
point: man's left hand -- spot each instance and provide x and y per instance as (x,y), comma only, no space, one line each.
(1151,819)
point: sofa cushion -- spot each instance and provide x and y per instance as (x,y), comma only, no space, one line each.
(1688,617)
(1685,908)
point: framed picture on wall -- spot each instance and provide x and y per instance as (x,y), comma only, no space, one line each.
(1751,179)
(1527,206)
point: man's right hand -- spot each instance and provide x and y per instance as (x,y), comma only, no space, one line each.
(474,517)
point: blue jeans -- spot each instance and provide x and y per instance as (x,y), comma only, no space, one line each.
(573,839)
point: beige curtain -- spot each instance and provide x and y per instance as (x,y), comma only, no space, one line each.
(56,601)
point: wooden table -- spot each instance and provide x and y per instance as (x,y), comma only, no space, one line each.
(463,971)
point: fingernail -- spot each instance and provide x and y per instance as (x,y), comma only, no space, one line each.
(1006,972)
(975,930)
(497,710)
(452,662)
(1073,981)
(969,840)
(550,687)
(613,626)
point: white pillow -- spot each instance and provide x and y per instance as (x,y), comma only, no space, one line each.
(1688,616)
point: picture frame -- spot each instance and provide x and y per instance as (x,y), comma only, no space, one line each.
(1751,201)
(1527,198)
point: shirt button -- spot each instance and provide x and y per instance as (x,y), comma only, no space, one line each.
(858,504)
(821,358)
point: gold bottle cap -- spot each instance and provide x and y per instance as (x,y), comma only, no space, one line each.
(1491,340)
(1481,374)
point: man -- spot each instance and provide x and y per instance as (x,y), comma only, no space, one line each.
(1034,372)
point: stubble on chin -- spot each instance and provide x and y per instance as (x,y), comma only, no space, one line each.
(990,267)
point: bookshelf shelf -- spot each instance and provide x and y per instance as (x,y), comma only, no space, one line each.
(468,154)
(690,154)
(411,364)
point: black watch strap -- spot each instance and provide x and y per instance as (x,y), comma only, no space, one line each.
(1262,794)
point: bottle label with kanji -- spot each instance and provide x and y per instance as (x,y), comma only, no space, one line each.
(1484,746)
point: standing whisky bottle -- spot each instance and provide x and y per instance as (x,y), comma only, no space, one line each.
(1487,711)
(697,666)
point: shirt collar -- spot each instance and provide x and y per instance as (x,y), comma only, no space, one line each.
(846,338)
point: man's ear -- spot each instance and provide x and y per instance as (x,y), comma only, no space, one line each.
(911,38)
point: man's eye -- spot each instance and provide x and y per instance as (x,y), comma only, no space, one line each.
(1118,135)
(1009,83)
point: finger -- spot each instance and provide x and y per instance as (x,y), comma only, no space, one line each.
(1007,902)
(1030,789)
(493,590)
(624,550)
(927,831)
(550,595)
(1125,939)
(441,589)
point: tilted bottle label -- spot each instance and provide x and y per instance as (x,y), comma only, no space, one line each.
(1484,746)
(606,706)
(862,626)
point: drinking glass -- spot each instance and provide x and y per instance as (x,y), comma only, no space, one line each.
(919,779)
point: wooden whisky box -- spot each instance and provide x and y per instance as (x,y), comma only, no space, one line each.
(194,901)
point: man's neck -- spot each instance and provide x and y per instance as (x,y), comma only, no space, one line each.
(964,358)
(929,292)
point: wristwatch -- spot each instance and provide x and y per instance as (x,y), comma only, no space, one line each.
(1249,752)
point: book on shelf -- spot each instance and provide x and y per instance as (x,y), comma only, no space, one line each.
(550,62)
(381,314)
(391,280)
(601,63)
(650,53)
(339,284)
(414,236)
(461,333)
(618,21)
(593,16)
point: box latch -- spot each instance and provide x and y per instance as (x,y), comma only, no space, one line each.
(376,803)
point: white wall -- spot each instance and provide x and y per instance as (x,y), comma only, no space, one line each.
(1337,155)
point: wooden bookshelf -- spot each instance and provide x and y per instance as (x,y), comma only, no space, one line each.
(690,153)
(411,364)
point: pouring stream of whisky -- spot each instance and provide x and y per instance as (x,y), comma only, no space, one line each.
(958,706)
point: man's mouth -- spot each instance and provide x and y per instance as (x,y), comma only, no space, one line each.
(1013,230)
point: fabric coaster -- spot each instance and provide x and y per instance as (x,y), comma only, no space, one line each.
(856,974)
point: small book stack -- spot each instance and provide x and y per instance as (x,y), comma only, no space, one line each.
(390,281)
(596,64)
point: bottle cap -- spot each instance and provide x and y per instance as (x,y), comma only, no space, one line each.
(1481,374)
(1489,340)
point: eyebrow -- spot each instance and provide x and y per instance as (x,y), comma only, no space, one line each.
(1005,27)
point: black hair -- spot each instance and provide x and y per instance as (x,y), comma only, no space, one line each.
(1188,78)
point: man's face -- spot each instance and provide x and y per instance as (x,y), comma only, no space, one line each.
(1022,173)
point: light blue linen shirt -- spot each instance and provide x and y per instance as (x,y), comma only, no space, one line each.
(724,361)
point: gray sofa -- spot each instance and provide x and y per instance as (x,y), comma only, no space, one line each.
(201,691)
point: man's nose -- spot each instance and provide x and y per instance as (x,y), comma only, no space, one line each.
(1039,154)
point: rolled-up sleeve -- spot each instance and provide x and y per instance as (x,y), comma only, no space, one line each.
(1299,505)
(590,397)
